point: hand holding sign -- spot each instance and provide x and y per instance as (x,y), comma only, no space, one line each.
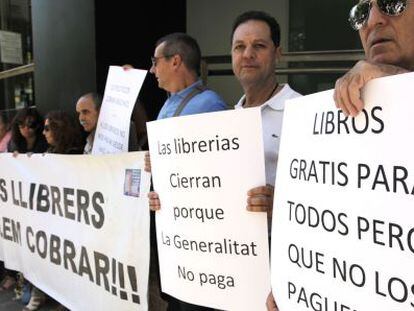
(154,201)
(260,199)
(345,196)
(207,255)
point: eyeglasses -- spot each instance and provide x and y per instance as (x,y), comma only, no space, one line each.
(29,124)
(154,59)
(359,14)
(46,128)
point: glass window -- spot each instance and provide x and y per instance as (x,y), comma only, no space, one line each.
(15,52)
(320,25)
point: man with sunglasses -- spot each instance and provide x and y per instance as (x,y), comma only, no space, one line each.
(176,66)
(386,29)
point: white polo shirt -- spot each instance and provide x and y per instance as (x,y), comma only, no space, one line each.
(272,117)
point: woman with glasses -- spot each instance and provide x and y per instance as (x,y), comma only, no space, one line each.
(27,130)
(62,134)
(27,127)
(26,136)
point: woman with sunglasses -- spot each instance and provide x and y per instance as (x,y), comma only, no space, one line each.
(62,134)
(26,136)
(26,130)
(27,127)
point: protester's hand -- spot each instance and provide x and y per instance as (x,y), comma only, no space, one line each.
(127,67)
(147,160)
(270,303)
(154,201)
(260,199)
(16,154)
(347,93)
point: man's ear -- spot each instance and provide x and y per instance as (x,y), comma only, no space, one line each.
(278,52)
(177,60)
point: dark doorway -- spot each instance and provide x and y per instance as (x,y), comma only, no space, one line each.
(126,32)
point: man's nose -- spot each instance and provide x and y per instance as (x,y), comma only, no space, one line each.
(376,17)
(249,52)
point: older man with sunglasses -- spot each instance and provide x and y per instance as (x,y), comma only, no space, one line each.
(386,29)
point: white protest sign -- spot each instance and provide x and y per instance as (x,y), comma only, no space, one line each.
(121,92)
(212,252)
(343,230)
(78,227)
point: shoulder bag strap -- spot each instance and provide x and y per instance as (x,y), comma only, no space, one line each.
(197,90)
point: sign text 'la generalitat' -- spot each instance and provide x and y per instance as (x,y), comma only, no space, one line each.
(212,251)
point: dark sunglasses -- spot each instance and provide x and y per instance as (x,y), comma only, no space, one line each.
(359,14)
(28,124)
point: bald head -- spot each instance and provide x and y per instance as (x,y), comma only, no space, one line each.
(88,107)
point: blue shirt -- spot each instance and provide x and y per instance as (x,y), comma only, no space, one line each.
(206,101)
